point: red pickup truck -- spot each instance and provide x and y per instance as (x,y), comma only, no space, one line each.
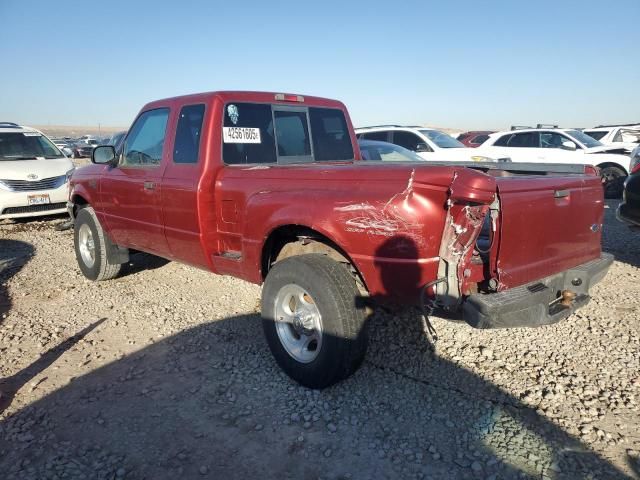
(271,188)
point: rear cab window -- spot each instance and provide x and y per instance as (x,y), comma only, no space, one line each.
(262,133)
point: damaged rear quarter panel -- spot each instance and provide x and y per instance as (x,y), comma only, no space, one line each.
(388,219)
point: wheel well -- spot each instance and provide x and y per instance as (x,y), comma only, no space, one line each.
(609,164)
(79,202)
(289,240)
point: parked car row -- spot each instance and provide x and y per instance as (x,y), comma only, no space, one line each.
(543,144)
(428,143)
(626,137)
(83,146)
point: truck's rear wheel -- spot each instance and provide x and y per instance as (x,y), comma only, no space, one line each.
(313,327)
(613,180)
(91,247)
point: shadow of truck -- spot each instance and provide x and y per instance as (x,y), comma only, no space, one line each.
(211,401)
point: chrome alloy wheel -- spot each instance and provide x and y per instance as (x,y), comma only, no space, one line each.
(298,323)
(86,245)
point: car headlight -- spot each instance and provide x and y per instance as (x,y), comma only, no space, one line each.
(482,158)
(68,174)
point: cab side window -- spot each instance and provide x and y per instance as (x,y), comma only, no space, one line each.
(188,132)
(144,144)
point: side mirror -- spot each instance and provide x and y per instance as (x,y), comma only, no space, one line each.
(104,155)
(568,145)
(422,147)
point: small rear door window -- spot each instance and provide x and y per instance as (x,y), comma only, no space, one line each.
(188,132)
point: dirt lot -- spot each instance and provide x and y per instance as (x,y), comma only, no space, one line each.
(164,373)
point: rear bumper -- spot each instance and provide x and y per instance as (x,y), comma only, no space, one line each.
(533,305)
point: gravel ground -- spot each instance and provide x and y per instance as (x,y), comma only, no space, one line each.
(164,373)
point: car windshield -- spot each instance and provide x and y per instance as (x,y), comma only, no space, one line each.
(583,138)
(388,152)
(26,146)
(442,139)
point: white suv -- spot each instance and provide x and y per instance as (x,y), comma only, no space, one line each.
(560,145)
(430,144)
(34,173)
(627,137)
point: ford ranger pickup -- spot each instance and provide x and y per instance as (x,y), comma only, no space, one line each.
(271,188)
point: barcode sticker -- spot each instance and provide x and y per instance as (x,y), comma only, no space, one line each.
(241,135)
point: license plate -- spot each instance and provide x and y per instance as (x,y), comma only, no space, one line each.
(38,199)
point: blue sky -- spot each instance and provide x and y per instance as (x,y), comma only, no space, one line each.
(463,64)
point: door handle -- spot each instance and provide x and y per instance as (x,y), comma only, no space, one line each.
(149,185)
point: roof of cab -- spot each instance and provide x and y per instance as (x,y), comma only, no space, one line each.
(246,96)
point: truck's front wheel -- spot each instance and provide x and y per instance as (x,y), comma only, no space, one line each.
(91,247)
(311,320)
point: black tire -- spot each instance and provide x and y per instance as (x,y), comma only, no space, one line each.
(100,269)
(344,334)
(613,181)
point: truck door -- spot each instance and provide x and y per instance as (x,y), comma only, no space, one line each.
(130,192)
(180,187)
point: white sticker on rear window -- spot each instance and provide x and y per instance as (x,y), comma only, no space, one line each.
(241,135)
(32,134)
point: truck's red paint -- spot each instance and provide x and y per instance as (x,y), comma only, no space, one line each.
(389,220)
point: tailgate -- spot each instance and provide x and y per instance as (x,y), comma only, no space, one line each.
(547,225)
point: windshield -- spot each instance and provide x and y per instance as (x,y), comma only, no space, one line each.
(26,146)
(442,139)
(583,138)
(387,152)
